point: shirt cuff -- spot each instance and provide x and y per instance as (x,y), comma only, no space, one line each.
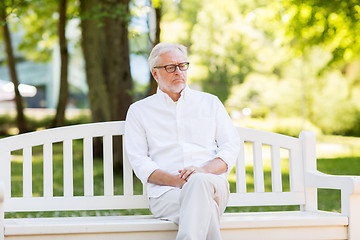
(146,171)
(228,158)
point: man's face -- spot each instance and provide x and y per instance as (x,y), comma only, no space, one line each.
(170,83)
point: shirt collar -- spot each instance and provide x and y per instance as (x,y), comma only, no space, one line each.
(183,95)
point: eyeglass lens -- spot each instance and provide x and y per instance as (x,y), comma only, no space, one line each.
(172,68)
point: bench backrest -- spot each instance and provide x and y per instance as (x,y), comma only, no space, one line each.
(253,142)
(271,157)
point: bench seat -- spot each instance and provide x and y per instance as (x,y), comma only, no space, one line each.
(275,225)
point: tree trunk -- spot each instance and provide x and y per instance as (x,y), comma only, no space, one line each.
(59,119)
(21,121)
(118,68)
(153,84)
(106,51)
(92,48)
(118,62)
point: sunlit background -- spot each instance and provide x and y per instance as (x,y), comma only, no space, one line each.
(283,66)
(277,65)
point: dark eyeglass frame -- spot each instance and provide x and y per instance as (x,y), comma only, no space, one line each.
(184,68)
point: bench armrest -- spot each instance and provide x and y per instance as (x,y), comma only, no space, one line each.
(349,186)
(350,195)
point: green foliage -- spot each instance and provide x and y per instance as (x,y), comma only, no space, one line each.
(265,95)
(290,127)
(277,58)
(336,107)
(283,59)
(39,23)
(225,45)
(40,33)
(79,119)
(13,9)
(287,126)
(334,25)
(46,122)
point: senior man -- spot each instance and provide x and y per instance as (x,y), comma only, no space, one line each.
(182,143)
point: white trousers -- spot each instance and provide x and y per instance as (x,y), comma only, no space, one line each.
(196,208)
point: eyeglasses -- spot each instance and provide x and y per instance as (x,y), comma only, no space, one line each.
(172,67)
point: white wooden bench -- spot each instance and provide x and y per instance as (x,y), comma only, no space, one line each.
(304,180)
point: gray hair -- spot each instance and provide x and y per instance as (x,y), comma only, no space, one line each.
(161,48)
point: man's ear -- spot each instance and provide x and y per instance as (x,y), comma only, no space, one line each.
(154,73)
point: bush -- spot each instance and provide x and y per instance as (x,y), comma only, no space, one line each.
(79,119)
(293,127)
(8,121)
(286,126)
(342,118)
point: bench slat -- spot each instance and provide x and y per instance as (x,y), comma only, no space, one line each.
(266,199)
(296,176)
(276,169)
(88,167)
(108,166)
(5,171)
(258,167)
(68,168)
(48,169)
(128,174)
(27,172)
(241,170)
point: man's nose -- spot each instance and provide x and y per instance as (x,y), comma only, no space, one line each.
(177,69)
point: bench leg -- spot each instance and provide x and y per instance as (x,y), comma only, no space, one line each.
(354,217)
(2,215)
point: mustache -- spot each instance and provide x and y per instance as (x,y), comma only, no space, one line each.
(179,78)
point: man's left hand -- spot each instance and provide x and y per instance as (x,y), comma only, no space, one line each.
(188,171)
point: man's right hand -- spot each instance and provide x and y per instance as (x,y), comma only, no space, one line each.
(163,178)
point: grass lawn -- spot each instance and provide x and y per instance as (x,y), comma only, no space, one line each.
(347,163)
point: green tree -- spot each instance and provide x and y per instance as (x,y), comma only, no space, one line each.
(106,50)
(333,25)
(223,43)
(320,41)
(4,10)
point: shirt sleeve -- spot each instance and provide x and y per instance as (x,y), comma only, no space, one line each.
(227,137)
(136,146)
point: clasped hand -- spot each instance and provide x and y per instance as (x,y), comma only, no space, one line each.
(188,171)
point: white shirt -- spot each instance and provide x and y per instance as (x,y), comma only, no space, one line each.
(162,134)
